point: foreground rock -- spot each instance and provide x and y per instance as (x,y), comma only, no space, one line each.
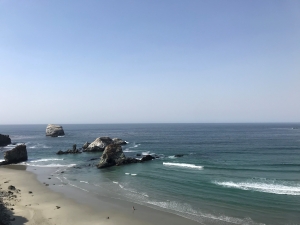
(16,155)
(113,156)
(4,140)
(99,144)
(54,130)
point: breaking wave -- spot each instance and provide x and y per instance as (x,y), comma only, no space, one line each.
(192,166)
(267,187)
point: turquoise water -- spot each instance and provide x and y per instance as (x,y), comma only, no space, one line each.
(229,174)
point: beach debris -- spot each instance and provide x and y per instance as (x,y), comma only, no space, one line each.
(11,187)
(30,192)
(57,207)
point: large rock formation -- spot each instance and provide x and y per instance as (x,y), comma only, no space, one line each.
(16,155)
(54,130)
(119,141)
(4,140)
(111,155)
(99,144)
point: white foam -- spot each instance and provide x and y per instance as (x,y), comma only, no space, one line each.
(127,173)
(45,160)
(146,153)
(115,182)
(2,160)
(172,157)
(280,189)
(127,150)
(133,174)
(82,181)
(49,165)
(192,166)
(39,146)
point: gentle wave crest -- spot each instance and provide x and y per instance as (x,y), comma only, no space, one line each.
(280,189)
(45,160)
(192,166)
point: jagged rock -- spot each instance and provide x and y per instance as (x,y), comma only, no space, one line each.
(4,140)
(16,155)
(147,158)
(179,155)
(74,147)
(112,154)
(119,141)
(54,130)
(69,151)
(86,144)
(99,144)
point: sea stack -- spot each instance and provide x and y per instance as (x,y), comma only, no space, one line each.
(4,140)
(54,130)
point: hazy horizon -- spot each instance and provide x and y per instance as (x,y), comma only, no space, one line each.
(112,62)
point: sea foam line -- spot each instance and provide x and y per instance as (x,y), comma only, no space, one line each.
(279,189)
(45,160)
(183,165)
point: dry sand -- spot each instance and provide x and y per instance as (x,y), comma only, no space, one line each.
(36,203)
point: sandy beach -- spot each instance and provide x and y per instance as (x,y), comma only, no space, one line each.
(34,199)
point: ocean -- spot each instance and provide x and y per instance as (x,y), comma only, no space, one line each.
(228,174)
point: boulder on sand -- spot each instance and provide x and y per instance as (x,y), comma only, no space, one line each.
(4,140)
(54,130)
(16,155)
(99,144)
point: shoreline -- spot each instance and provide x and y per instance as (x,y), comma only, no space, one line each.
(61,204)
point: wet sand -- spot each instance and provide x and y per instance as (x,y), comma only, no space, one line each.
(37,200)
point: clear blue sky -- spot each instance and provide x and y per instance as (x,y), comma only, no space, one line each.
(149,61)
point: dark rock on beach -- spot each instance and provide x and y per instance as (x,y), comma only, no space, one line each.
(16,155)
(4,140)
(54,130)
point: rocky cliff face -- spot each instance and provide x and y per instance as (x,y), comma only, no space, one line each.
(54,130)
(4,140)
(16,155)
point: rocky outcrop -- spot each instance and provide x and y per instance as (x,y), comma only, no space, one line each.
(147,158)
(4,140)
(69,151)
(16,155)
(112,154)
(54,130)
(119,141)
(86,144)
(99,144)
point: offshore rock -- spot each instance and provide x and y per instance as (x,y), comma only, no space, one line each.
(4,140)
(69,151)
(16,155)
(99,144)
(86,144)
(147,158)
(119,141)
(111,156)
(54,130)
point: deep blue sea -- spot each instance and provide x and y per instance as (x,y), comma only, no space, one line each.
(229,174)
